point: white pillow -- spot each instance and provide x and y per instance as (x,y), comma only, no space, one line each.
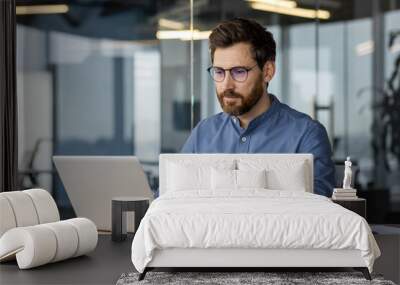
(281,174)
(236,179)
(251,178)
(186,175)
(223,179)
(293,180)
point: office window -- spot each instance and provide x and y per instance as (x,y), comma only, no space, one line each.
(129,78)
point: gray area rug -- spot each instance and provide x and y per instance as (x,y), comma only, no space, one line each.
(225,278)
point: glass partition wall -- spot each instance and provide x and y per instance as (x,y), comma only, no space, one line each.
(129,78)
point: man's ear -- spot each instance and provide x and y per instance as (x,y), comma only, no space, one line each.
(268,71)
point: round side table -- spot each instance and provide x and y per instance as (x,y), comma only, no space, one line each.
(121,205)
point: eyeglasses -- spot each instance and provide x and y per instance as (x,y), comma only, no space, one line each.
(238,73)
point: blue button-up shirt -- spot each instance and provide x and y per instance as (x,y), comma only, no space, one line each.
(280,129)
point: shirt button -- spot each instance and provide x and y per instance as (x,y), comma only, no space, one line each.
(244,139)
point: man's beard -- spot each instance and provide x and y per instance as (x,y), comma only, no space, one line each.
(246,103)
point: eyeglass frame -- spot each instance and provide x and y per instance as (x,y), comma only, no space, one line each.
(230,72)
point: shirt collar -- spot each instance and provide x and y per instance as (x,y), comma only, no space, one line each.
(273,108)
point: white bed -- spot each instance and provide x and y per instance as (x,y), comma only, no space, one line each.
(203,219)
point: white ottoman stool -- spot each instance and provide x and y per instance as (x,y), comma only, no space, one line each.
(31,232)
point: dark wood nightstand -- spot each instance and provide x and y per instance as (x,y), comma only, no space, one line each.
(121,205)
(358,206)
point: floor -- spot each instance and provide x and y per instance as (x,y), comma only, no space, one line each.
(388,239)
(111,259)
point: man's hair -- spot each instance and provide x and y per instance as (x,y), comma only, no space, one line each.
(240,30)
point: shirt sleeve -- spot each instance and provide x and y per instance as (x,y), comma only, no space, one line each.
(190,144)
(316,141)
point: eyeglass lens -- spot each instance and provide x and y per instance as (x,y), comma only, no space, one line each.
(237,73)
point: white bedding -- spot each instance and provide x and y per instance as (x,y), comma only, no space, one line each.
(251,218)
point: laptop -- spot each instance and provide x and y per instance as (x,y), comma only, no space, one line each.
(92,181)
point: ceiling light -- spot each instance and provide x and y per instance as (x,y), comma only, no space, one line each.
(170,24)
(280,3)
(41,9)
(184,35)
(298,12)
(365,48)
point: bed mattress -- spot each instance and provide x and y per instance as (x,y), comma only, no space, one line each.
(250,219)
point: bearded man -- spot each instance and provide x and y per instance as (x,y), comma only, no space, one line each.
(254,121)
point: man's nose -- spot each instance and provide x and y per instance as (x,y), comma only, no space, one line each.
(228,83)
